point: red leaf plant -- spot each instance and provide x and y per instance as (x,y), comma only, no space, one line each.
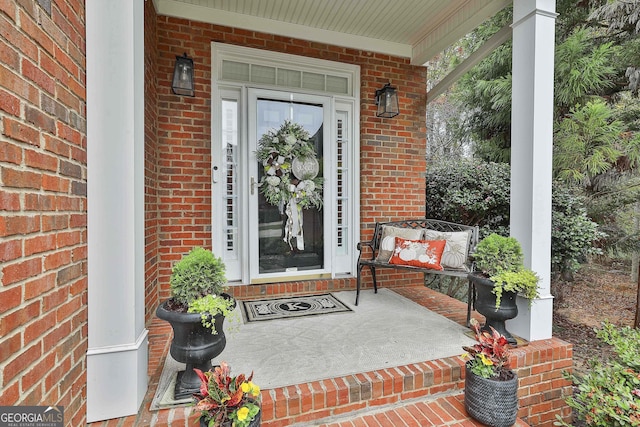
(225,400)
(490,356)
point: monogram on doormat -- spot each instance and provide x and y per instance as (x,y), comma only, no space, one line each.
(289,307)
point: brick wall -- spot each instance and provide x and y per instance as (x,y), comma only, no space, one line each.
(43,218)
(392,150)
(151,159)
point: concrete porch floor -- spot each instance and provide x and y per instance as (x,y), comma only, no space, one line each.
(423,394)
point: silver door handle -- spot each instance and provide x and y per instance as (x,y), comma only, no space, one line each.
(254,184)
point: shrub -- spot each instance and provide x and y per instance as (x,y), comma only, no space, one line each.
(474,192)
(609,394)
(572,232)
(197,274)
(470,192)
(495,254)
(500,258)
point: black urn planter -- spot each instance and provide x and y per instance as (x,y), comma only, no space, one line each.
(192,344)
(492,402)
(254,422)
(485,304)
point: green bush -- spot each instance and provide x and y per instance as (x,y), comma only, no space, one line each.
(470,192)
(197,274)
(501,259)
(495,254)
(572,232)
(474,192)
(608,395)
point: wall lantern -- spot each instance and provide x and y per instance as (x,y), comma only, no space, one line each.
(387,101)
(183,76)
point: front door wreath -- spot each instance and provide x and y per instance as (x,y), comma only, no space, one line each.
(290,179)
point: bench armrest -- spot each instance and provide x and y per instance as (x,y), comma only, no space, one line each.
(362,244)
(367,243)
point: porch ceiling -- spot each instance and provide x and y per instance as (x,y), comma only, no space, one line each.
(415,29)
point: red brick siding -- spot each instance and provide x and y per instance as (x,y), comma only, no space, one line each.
(151,159)
(43,217)
(392,150)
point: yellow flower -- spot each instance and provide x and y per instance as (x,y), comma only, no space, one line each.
(243,413)
(251,388)
(486,360)
(255,390)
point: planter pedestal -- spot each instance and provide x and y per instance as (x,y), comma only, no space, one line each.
(485,304)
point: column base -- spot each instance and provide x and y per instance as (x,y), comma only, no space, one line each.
(117,379)
(535,322)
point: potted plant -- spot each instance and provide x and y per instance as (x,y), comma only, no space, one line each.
(499,276)
(224,400)
(490,386)
(196,311)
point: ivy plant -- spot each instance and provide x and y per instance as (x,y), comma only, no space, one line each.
(209,306)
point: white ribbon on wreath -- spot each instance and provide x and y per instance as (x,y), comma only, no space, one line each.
(293,228)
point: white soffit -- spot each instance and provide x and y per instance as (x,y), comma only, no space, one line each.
(415,29)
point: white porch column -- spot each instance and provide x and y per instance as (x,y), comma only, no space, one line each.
(531,155)
(117,354)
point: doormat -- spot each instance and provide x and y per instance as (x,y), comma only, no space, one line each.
(291,307)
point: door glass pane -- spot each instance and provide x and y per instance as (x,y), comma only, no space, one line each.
(275,253)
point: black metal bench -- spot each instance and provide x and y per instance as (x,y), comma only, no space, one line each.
(423,223)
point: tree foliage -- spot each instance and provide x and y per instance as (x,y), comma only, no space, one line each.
(588,143)
(621,19)
(619,15)
(596,116)
(583,68)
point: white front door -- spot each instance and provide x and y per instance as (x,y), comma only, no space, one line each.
(271,254)
(252,243)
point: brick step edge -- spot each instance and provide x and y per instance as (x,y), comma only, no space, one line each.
(444,409)
(305,404)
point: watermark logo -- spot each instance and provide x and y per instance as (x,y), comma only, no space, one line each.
(31,416)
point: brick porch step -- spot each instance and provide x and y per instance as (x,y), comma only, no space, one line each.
(443,411)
